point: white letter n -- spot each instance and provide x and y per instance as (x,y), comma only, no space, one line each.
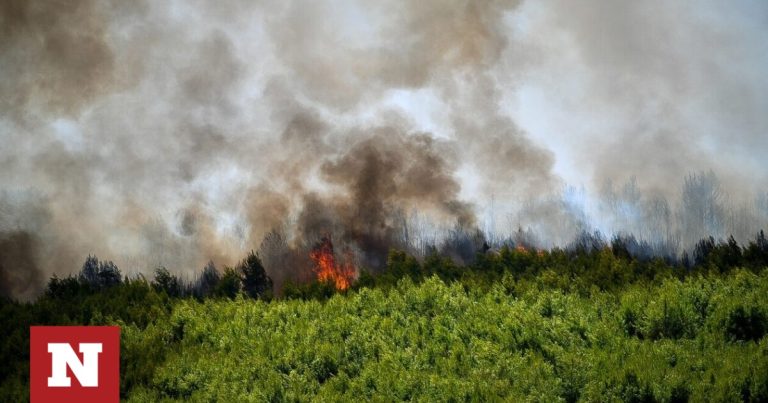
(86,372)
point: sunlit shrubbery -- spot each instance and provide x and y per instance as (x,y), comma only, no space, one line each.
(594,325)
(697,339)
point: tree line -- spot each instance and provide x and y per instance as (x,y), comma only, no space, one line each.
(249,278)
(591,265)
(589,260)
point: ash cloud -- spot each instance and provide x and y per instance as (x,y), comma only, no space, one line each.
(175,133)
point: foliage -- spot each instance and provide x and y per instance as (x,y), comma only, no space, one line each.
(435,341)
(207,283)
(99,274)
(596,322)
(229,285)
(166,282)
(256,282)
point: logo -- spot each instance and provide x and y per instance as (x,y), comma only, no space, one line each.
(74,364)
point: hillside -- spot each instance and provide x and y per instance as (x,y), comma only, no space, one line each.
(700,338)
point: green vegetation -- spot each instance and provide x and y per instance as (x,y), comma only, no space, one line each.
(668,342)
(591,324)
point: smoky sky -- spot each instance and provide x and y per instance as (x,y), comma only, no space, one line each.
(172,133)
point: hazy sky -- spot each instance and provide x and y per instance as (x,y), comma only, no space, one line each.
(185,130)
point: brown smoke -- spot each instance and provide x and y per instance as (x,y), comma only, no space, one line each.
(20,276)
(378,176)
(54,55)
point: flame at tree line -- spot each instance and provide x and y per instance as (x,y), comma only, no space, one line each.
(328,270)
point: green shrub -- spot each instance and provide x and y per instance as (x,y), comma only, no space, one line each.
(746,323)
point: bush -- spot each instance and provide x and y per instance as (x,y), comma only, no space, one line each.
(746,323)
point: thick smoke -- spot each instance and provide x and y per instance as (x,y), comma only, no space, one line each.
(386,173)
(19,274)
(651,89)
(169,134)
(55,56)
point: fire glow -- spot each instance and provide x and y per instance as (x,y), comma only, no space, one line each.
(326,267)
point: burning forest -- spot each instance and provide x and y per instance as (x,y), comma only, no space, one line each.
(340,272)
(405,200)
(423,132)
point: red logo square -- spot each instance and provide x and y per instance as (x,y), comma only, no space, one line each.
(74,364)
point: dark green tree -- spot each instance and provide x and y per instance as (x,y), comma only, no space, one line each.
(256,282)
(756,254)
(207,283)
(166,282)
(401,264)
(99,275)
(229,285)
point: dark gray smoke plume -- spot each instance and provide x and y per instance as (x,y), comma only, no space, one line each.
(174,133)
(19,274)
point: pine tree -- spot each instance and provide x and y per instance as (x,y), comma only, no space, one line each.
(256,282)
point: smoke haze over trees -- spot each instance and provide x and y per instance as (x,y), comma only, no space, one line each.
(173,134)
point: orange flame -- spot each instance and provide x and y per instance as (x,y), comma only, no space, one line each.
(326,267)
(523,249)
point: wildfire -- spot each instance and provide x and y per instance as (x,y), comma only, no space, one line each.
(523,249)
(326,267)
